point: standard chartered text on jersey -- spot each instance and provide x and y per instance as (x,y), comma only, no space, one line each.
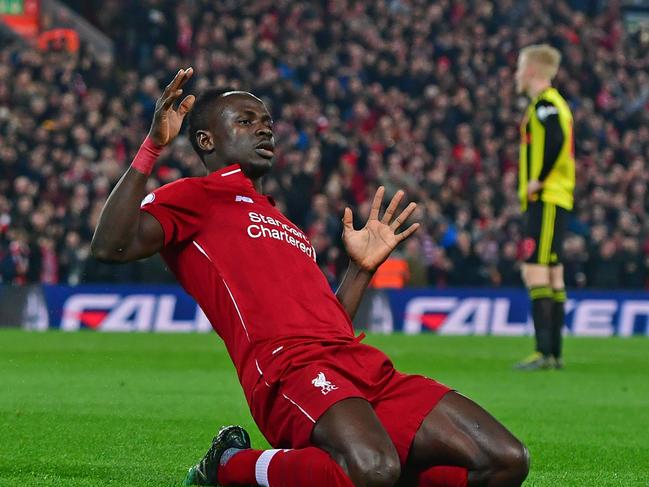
(262,231)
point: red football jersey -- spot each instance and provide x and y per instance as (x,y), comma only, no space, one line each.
(250,269)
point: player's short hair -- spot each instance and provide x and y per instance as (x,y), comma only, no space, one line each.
(199,118)
(543,56)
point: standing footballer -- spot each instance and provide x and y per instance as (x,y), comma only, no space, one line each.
(335,410)
(546,185)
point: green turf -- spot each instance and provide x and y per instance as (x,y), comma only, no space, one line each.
(90,409)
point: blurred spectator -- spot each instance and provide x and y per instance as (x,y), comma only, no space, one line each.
(14,265)
(509,267)
(607,268)
(72,259)
(466,266)
(392,274)
(415,95)
(634,272)
(417,272)
(576,257)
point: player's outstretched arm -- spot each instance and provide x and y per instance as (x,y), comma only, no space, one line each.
(124,233)
(370,246)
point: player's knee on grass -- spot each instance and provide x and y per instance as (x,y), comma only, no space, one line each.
(516,461)
(369,465)
(459,432)
(373,465)
(508,465)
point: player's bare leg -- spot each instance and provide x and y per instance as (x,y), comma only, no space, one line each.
(352,450)
(460,433)
(352,434)
(537,281)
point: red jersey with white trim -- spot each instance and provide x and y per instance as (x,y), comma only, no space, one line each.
(250,269)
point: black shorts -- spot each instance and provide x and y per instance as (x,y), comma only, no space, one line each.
(545,226)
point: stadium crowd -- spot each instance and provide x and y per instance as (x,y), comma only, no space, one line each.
(406,93)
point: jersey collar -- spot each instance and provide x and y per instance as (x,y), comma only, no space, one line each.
(538,97)
(231,170)
(235,172)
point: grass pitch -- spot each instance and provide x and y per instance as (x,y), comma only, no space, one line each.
(89,409)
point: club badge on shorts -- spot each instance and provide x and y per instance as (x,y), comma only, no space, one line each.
(325,386)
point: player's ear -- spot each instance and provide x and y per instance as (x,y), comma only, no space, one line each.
(205,140)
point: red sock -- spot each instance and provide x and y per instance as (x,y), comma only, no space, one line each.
(283,468)
(240,469)
(443,476)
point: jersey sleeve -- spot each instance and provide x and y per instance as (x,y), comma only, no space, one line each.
(548,114)
(179,207)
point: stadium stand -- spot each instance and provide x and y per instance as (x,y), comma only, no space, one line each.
(407,94)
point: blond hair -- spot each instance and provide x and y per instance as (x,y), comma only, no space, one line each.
(544,57)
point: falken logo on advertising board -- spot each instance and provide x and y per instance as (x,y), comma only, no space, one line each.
(137,312)
(129,308)
(448,312)
(455,316)
(493,316)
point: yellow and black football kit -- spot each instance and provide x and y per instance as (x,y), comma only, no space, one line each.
(546,155)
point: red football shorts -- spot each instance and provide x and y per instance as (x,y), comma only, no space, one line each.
(286,409)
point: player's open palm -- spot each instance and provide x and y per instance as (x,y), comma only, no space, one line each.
(167,119)
(372,244)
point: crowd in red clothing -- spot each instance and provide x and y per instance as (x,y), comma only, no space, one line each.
(405,93)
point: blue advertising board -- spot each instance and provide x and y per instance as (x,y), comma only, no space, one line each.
(411,311)
(506,312)
(164,308)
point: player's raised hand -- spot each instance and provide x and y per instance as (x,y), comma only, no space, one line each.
(167,119)
(370,246)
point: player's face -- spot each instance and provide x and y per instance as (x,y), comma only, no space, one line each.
(522,75)
(246,134)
